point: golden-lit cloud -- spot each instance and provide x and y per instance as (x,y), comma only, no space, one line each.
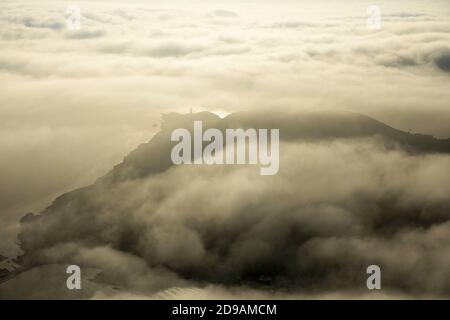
(73,103)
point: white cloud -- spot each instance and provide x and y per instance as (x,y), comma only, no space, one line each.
(97,92)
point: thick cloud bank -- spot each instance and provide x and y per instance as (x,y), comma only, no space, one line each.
(76,101)
(350,192)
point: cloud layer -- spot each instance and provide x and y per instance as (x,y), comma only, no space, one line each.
(337,206)
(74,102)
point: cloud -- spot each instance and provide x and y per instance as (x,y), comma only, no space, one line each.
(48,24)
(314,227)
(224,14)
(77,107)
(85,34)
(442,60)
(172,49)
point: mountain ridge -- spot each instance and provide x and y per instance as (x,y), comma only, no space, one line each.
(153,158)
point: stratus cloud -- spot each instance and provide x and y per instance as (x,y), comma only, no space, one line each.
(76,106)
(314,227)
(85,34)
(442,59)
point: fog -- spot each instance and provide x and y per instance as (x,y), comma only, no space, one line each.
(73,103)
